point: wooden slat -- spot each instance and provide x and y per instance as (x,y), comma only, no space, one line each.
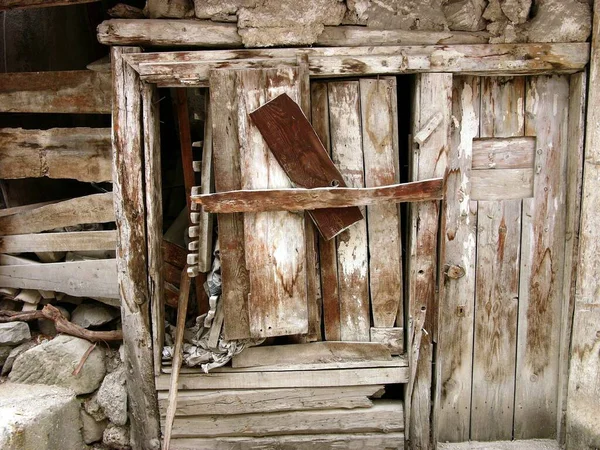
(277,302)
(59,242)
(83,154)
(504,153)
(132,262)
(346,145)
(542,261)
(226,159)
(284,379)
(95,208)
(382,416)
(205,241)
(174,254)
(458,252)
(78,92)
(502,184)
(391,337)
(348,441)
(383,198)
(379,120)
(316,352)
(489,59)
(433,94)
(327,253)
(289,134)
(18,209)
(93,278)
(252,401)
(21,4)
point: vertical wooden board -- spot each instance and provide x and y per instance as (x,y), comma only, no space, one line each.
(275,241)
(496,300)
(346,151)
(327,253)
(379,120)
(430,160)
(205,244)
(226,160)
(542,261)
(458,258)
(154,218)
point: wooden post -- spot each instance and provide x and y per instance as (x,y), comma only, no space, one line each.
(128,189)
(584,380)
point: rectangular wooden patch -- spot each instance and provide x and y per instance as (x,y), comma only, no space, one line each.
(504,153)
(501,184)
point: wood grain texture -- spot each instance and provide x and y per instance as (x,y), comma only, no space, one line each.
(542,261)
(316,352)
(132,262)
(433,93)
(301,154)
(226,160)
(391,337)
(277,303)
(77,92)
(504,153)
(384,415)
(502,184)
(205,244)
(83,154)
(95,208)
(458,255)
(252,401)
(379,121)
(352,250)
(59,242)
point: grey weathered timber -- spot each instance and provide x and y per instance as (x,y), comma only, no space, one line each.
(132,261)
(83,154)
(584,384)
(77,92)
(59,242)
(504,153)
(191,68)
(457,285)
(501,184)
(433,93)
(205,241)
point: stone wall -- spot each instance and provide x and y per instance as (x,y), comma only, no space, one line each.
(264,23)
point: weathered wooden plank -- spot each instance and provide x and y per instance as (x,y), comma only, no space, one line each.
(384,415)
(226,160)
(174,254)
(349,441)
(433,93)
(95,208)
(302,156)
(277,303)
(316,352)
(83,154)
(18,209)
(382,198)
(93,278)
(379,121)
(458,252)
(542,261)
(286,379)
(391,337)
(78,92)
(251,401)
(352,250)
(502,184)
(21,4)
(132,262)
(169,33)
(327,253)
(577,108)
(59,242)
(205,242)
(154,217)
(504,153)
(508,59)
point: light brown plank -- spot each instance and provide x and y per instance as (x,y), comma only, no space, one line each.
(502,184)
(277,302)
(316,352)
(18,209)
(379,121)
(83,154)
(251,401)
(346,142)
(542,261)
(59,242)
(382,416)
(95,208)
(504,153)
(226,160)
(78,92)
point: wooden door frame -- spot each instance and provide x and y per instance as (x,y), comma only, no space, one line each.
(136,160)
